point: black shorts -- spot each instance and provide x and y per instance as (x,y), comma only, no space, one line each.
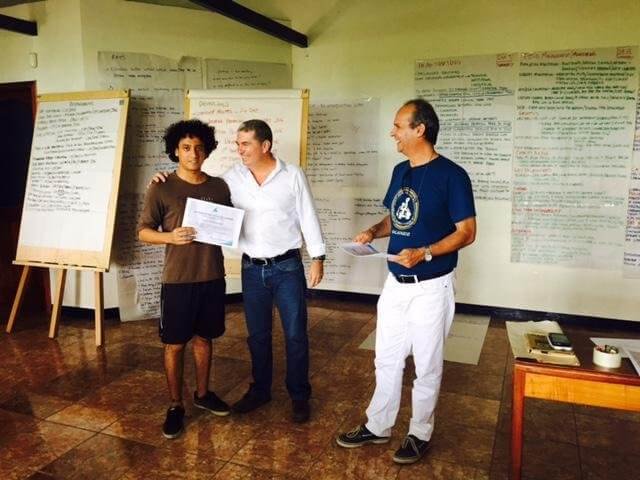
(188,309)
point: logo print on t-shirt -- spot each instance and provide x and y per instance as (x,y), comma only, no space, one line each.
(405,207)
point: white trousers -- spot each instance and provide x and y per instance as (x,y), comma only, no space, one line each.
(412,317)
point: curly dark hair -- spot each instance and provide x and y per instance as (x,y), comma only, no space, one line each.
(189,129)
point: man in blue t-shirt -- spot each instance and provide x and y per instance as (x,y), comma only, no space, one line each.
(431,217)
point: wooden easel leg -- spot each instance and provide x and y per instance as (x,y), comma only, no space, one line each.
(99,297)
(17,302)
(57,302)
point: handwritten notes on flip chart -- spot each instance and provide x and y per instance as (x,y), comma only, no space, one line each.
(341,218)
(574,133)
(474,98)
(342,150)
(157,100)
(70,174)
(227,109)
(238,74)
(631,260)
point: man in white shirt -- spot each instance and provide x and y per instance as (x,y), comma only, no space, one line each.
(279,212)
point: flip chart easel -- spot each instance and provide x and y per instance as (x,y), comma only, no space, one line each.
(72,191)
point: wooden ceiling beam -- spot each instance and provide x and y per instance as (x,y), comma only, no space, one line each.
(253,19)
(14,24)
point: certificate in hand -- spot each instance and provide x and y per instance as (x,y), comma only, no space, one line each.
(214,223)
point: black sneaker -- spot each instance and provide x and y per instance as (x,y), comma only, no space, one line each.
(359,436)
(174,423)
(249,402)
(301,411)
(212,403)
(411,450)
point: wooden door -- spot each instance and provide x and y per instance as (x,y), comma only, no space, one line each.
(17,111)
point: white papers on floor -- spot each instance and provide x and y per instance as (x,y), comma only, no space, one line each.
(464,342)
(621,343)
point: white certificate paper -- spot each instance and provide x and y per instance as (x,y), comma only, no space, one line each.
(364,250)
(214,223)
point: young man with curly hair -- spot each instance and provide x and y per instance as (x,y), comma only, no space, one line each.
(193,285)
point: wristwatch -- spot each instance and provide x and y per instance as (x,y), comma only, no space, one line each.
(427,254)
(319,257)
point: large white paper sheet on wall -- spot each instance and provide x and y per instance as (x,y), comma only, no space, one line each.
(240,74)
(631,261)
(341,219)
(342,150)
(574,135)
(226,110)
(157,100)
(474,98)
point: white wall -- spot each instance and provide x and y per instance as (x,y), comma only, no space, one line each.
(72,32)
(358,48)
(369,48)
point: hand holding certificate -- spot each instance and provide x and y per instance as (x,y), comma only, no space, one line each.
(214,223)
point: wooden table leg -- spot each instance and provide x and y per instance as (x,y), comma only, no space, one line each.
(99,316)
(517,415)
(17,302)
(61,278)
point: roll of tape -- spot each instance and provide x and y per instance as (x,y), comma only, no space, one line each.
(606,356)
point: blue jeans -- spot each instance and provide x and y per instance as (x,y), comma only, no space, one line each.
(283,283)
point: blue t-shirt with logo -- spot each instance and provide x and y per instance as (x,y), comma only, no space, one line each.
(425,203)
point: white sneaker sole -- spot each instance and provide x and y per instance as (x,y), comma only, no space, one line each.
(219,413)
(377,441)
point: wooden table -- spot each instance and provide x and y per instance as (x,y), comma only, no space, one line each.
(587,384)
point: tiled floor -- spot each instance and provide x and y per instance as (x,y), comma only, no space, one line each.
(69,411)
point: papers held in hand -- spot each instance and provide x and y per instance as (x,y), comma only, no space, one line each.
(364,250)
(214,223)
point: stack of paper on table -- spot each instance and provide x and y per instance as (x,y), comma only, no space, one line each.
(521,347)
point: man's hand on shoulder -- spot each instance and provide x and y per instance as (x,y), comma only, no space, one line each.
(159,177)
(316,272)
(409,257)
(182,235)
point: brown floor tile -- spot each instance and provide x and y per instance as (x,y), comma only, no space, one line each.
(27,444)
(139,427)
(463,446)
(135,355)
(233,471)
(430,469)
(540,460)
(600,464)
(284,449)
(457,409)
(139,391)
(543,421)
(341,323)
(158,465)
(221,437)
(459,378)
(89,418)
(371,462)
(100,457)
(227,373)
(70,381)
(80,382)
(607,413)
(34,404)
(608,434)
